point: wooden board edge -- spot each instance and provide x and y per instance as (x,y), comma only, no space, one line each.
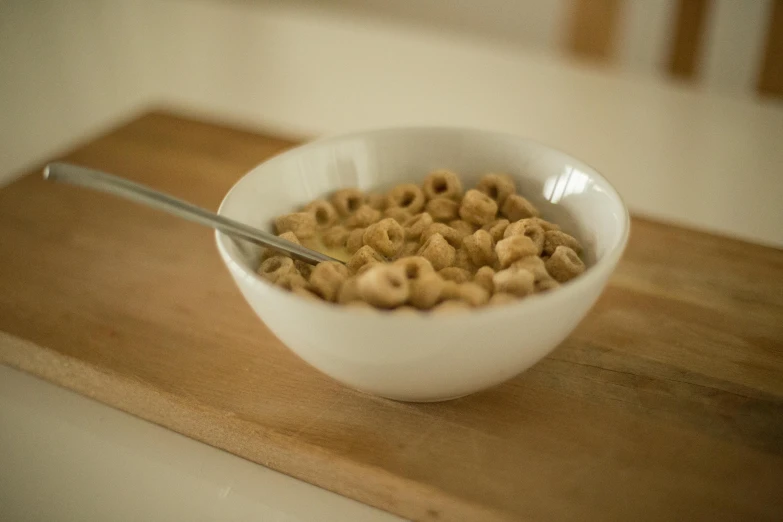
(300,460)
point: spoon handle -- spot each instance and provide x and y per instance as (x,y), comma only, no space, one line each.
(101,181)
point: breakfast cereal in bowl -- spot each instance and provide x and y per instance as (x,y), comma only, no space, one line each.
(462,256)
(431,246)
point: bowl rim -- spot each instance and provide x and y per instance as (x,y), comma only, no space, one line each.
(609,259)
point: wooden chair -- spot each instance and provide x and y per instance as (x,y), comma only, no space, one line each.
(699,30)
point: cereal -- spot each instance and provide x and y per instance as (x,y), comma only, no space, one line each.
(305,269)
(327,278)
(514,248)
(462,260)
(432,248)
(534,265)
(523,225)
(426,290)
(517,282)
(496,228)
(564,264)
(415,266)
(363,256)
(478,208)
(448,233)
(355,240)
(502,298)
(335,237)
(360,304)
(543,223)
(480,247)
(306,293)
(438,251)
(483,278)
(300,223)
(516,207)
(347,201)
(291,280)
(324,213)
(409,249)
(386,237)
(384,286)
(517,228)
(473,294)
(536,235)
(497,186)
(398,214)
(450,290)
(546,284)
(556,238)
(442,184)
(443,209)
(364,216)
(408,197)
(271,252)
(377,201)
(463,227)
(530,227)
(451,306)
(349,291)
(290,236)
(416,225)
(275,267)
(452,273)
(362,269)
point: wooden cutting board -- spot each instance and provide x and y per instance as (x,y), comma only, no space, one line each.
(665,404)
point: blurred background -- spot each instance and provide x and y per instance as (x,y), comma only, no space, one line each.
(69,69)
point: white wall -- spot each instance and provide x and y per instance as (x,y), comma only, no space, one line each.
(644,38)
(734,45)
(675,154)
(67,70)
(531,24)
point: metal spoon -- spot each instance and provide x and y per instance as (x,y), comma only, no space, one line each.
(97,180)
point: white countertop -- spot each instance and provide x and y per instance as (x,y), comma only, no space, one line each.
(64,457)
(673,152)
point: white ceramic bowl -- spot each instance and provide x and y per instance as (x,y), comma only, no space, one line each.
(422,357)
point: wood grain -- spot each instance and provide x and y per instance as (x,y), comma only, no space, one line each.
(592,27)
(690,25)
(771,75)
(665,404)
